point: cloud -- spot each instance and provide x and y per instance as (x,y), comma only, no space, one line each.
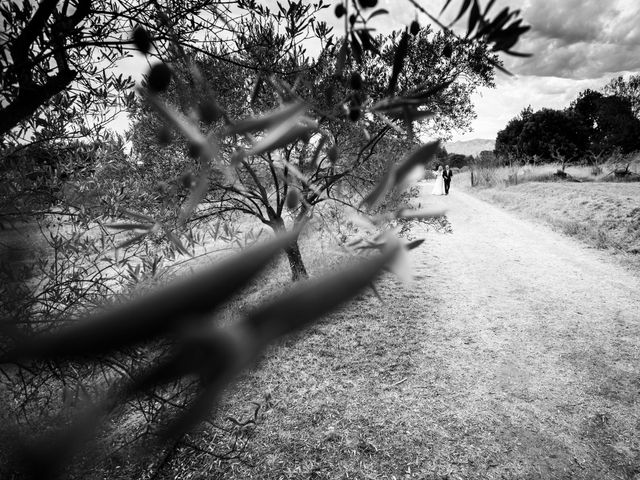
(570,21)
(134,66)
(578,60)
(570,38)
(577,44)
(579,38)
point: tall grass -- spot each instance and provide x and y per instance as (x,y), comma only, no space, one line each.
(489,176)
(599,214)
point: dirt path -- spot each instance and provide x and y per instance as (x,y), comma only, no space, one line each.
(538,344)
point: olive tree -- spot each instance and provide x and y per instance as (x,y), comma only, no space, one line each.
(165,339)
(365,108)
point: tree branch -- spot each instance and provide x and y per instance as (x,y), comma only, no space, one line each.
(36,25)
(31,99)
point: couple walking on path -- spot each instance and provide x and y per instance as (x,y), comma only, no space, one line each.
(443,181)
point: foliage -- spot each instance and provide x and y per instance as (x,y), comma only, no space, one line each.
(609,120)
(57,58)
(446,67)
(593,124)
(457,160)
(507,138)
(627,89)
(545,133)
(548,133)
(487,157)
(441,153)
(355,134)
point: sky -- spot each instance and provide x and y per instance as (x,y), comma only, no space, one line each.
(576,44)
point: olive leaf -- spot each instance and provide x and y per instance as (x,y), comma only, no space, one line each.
(162,311)
(265,122)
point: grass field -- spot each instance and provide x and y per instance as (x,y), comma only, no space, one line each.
(603,214)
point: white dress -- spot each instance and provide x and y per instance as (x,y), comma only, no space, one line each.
(438,188)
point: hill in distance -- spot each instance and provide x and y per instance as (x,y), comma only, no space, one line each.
(470,147)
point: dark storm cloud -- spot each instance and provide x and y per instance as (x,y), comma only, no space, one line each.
(577,44)
(579,38)
(567,22)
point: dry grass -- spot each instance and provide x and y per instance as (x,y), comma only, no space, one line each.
(331,397)
(490,176)
(337,404)
(603,215)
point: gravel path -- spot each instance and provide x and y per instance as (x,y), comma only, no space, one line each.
(534,349)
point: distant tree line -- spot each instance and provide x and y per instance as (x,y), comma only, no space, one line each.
(597,122)
(454,160)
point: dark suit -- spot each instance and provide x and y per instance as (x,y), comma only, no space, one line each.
(446,175)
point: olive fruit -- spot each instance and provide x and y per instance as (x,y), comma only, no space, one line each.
(368,3)
(356,81)
(159,78)
(141,39)
(164,136)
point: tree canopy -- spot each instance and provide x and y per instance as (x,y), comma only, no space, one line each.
(57,57)
(628,89)
(609,121)
(595,122)
(355,133)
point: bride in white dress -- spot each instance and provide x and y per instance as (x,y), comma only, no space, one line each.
(438,188)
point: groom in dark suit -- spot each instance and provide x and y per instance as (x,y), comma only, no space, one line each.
(446,175)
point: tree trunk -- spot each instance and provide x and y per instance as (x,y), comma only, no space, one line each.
(298,270)
(27,103)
